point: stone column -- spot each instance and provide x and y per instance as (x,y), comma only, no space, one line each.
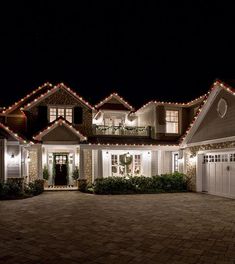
(87,164)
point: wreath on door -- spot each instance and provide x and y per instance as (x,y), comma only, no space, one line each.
(125,159)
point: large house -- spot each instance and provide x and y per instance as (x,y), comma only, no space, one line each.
(54,128)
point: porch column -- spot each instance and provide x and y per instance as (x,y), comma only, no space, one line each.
(40,174)
(199,172)
(160,162)
(3,165)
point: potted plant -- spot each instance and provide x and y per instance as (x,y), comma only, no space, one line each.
(75,176)
(45,176)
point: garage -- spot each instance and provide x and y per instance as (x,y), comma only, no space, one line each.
(218,174)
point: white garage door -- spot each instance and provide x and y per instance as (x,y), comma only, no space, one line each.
(218,174)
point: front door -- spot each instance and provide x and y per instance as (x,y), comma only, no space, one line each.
(61,169)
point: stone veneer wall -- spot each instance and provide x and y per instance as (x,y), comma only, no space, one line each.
(190,167)
(33,165)
(87,159)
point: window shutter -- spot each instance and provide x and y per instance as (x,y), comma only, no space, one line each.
(161,115)
(78,115)
(42,115)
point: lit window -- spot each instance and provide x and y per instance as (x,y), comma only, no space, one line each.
(118,169)
(61,112)
(175,162)
(53,115)
(66,113)
(137,165)
(69,115)
(172,121)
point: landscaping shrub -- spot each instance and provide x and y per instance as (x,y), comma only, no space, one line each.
(82,185)
(175,182)
(11,189)
(36,187)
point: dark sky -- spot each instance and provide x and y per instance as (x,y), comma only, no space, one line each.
(142,49)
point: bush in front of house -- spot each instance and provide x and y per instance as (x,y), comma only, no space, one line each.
(15,189)
(175,182)
(36,187)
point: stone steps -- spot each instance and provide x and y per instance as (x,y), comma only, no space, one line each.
(61,188)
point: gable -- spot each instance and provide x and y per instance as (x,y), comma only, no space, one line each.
(114,102)
(60,133)
(213,126)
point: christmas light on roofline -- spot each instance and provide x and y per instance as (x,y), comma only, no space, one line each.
(24,98)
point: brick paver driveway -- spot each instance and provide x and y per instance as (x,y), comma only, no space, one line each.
(70,227)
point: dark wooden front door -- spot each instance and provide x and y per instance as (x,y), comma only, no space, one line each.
(61,169)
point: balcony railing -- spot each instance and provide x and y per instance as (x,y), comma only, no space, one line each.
(122,131)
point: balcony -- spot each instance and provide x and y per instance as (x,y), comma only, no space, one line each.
(122,131)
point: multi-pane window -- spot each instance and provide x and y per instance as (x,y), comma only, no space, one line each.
(172,121)
(137,164)
(66,113)
(176,162)
(117,169)
(53,114)
(69,114)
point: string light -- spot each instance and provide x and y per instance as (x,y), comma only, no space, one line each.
(118,97)
(55,88)
(55,123)
(17,104)
(13,134)
(214,86)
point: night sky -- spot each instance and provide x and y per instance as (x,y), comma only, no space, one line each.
(141,49)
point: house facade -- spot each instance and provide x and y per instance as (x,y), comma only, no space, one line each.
(54,128)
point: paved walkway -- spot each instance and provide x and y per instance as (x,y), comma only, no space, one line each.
(70,227)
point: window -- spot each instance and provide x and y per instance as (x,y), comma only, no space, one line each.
(53,114)
(132,169)
(172,121)
(176,162)
(66,113)
(137,164)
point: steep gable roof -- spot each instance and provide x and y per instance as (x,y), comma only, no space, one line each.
(114,101)
(12,133)
(28,98)
(60,121)
(217,86)
(53,90)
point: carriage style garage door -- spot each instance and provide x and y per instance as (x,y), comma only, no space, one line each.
(218,174)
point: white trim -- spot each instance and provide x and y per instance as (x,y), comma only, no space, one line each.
(204,110)
(52,91)
(211,141)
(59,122)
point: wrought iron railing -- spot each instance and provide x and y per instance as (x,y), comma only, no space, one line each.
(122,131)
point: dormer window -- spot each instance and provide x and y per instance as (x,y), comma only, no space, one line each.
(172,121)
(65,112)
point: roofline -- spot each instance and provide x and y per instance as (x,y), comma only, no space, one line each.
(16,104)
(54,89)
(13,134)
(118,97)
(219,85)
(55,123)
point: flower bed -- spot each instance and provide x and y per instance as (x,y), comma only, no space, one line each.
(175,182)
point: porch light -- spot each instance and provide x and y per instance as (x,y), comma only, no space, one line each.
(128,154)
(28,159)
(12,156)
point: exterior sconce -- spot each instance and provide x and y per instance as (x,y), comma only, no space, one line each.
(128,155)
(12,156)
(28,159)
(192,158)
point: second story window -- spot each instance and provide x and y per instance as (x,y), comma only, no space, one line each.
(172,121)
(56,112)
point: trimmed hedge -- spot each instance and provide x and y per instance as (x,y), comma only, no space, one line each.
(176,182)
